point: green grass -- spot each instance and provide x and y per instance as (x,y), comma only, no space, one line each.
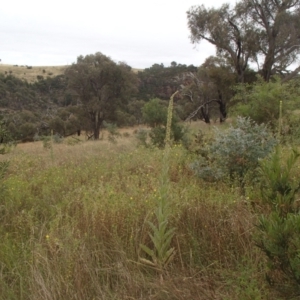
(71,227)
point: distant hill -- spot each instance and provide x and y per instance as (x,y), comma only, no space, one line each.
(30,73)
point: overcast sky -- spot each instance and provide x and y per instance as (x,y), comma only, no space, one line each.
(138,32)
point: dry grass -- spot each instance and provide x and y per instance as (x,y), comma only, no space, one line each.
(72,222)
(30,74)
(24,73)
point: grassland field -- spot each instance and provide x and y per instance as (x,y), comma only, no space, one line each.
(72,219)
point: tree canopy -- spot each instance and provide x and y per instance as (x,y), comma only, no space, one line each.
(101,85)
(265,32)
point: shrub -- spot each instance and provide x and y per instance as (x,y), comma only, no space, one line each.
(235,151)
(278,229)
(57,139)
(291,130)
(113,132)
(142,136)
(47,143)
(155,115)
(260,101)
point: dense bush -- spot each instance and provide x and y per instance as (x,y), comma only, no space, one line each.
(155,115)
(235,152)
(260,101)
(278,230)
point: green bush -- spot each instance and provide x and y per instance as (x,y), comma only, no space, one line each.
(291,130)
(278,228)
(142,136)
(47,143)
(155,115)
(260,101)
(157,136)
(57,139)
(236,151)
(113,132)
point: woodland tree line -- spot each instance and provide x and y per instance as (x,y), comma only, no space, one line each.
(257,46)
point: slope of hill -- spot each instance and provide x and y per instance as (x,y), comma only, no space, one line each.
(30,73)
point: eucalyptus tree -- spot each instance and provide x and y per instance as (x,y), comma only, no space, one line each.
(101,86)
(265,32)
(277,23)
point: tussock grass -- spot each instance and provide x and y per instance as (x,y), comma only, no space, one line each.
(71,227)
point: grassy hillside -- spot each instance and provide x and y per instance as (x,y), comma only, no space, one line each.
(30,73)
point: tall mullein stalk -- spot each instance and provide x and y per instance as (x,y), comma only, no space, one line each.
(161,235)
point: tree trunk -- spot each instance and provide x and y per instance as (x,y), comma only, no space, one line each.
(97,120)
(205,114)
(222,108)
(268,63)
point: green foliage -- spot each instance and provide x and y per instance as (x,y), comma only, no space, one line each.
(142,136)
(113,132)
(161,254)
(160,81)
(246,284)
(260,100)
(278,228)
(123,118)
(157,136)
(290,132)
(241,33)
(5,139)
(47,142)
(235,151)
(57,125)
(161,236)
(155,115)
(102,87)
